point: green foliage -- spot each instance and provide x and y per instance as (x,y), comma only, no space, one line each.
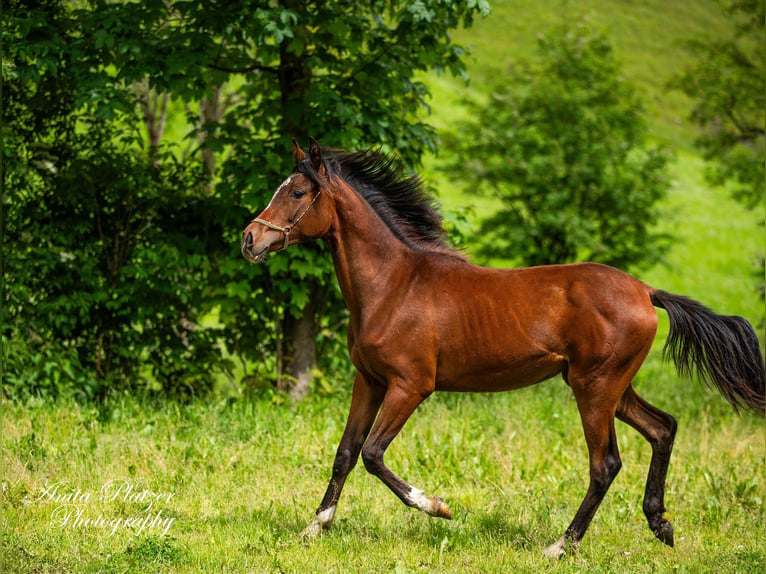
(33,368)
(726,83)
(99,271)
(142,136)
(561,143)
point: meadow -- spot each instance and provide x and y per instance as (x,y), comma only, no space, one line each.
(231,483)
(226,483)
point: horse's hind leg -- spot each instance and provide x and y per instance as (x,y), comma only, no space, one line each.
(597,413)
(365,402)
(659,428)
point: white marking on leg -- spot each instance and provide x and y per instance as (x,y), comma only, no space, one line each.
(431,505)
(322,521)
(419,500)
(326,517)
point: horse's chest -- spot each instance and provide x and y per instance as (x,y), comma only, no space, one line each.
(389,349)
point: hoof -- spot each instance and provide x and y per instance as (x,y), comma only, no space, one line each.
(440,509)
(322,521)
(559,549)
(664,532)
(556,551)
(312,530)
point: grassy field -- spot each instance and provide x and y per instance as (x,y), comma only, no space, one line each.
(232,481)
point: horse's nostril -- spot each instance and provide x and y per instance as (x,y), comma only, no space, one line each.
(247,239)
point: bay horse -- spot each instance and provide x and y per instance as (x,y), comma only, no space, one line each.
(424,319)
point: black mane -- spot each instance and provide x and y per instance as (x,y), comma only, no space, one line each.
(400,201)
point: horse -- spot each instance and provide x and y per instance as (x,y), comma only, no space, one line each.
(422,318)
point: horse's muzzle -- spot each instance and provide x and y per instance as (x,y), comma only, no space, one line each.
(248,246)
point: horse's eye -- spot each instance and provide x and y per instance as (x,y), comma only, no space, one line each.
(297,194)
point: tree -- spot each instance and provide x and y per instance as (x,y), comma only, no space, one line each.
(727,83)
(123,270)
(102,284)
(561,142)
(342,72)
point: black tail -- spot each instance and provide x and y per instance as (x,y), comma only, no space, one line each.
(723,350)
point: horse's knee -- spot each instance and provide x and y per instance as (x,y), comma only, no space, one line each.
(666,438)
(344,462)
(603,475)
(613,464)
(372,457)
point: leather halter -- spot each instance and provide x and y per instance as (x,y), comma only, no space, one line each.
(287,229)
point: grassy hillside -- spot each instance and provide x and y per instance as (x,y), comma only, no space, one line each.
(647,36)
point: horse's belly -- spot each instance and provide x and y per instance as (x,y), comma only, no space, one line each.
(494,376)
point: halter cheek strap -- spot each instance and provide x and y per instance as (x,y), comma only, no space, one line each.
(287,229)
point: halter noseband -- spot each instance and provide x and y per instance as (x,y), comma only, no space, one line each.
(287,229)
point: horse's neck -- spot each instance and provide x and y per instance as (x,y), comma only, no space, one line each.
(368,257)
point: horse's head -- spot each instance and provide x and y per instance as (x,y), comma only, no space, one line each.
(295,214)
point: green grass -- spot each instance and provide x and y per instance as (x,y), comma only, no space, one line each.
(247,475)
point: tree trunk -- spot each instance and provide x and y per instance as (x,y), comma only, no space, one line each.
(300,350)
(154,107)
(211,110)
(299,343)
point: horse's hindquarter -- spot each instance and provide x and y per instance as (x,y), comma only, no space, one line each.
(506,329)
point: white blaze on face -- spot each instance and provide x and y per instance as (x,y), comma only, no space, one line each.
(283,185)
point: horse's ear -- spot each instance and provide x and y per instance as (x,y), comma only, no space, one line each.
(298,153)
(315,157)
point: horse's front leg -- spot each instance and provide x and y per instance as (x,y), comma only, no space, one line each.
(400,402)
(366,398)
